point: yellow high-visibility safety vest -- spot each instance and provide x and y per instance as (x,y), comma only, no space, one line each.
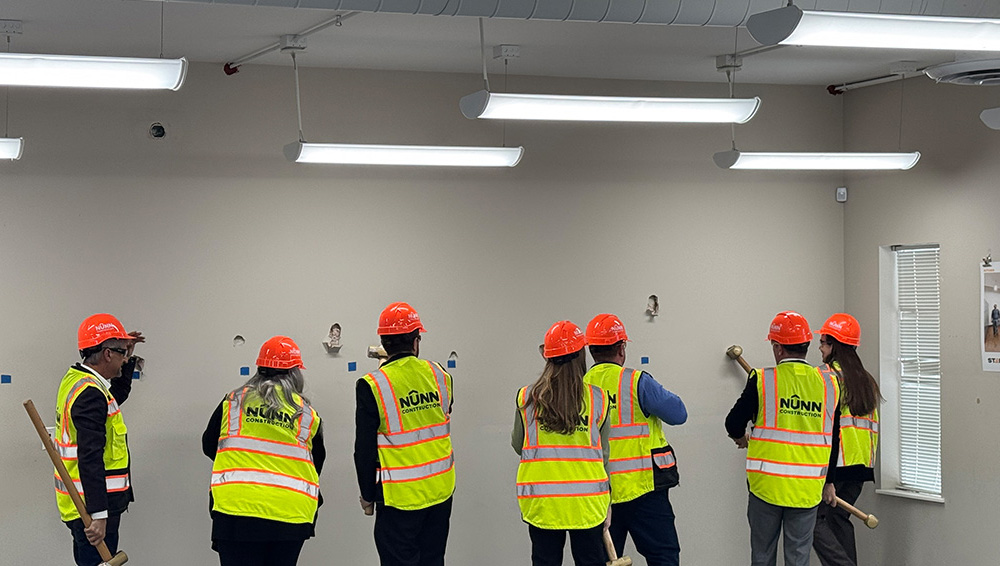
(858,436)
(789,451)
(116,457)
(633,435)
(561,480)
(264,467)
(417,463)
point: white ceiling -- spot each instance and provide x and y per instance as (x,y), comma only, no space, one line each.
(218,33)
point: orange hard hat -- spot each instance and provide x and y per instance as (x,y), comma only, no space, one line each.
(97,328)
(563,339)
(605,330)
(399,318)
(280,352)
(843,327)
(789,327)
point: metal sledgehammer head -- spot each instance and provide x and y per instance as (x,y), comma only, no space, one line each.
(623,561)
(116,560)
(735,351)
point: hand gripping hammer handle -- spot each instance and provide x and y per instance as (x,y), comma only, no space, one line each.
(102,548)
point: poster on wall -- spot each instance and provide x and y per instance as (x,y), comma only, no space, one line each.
(989,307)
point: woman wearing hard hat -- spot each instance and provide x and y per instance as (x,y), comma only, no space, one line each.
(833,538)
(561,434)
(267,444)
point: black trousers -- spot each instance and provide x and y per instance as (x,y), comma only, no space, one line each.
(833,537)
(83,552)
(587,546)
(412,538)
(650,520)
(263,553)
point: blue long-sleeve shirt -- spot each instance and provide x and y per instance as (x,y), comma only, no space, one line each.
(656,400)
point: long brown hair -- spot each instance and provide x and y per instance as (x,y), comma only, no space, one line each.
(558,395)
(859,391)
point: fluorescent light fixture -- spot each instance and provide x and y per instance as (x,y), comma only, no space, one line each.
(492,106)
(11,148)
(20,69)
(831,161)
(793,26)
(429,155)
(991,117)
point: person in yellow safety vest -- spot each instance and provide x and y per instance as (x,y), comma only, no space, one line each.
(91,436)
(642,466)
(833,538)
(266,441)
(561,434)
(791,457)
(402,446)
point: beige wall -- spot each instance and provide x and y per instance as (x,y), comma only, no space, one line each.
(949,198)
(210,233)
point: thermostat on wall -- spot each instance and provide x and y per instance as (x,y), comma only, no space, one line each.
(841,194)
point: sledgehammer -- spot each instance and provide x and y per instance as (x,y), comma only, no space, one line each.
(108,560)
(871,521)
(610,546)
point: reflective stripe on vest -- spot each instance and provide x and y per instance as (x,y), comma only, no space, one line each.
(629,431)
(636,464)
(113,484)
(235,404)
(665,459)
(392,417)
(566,453)
(859,422)
(273,448)
(412,473)
(562,489)
(417,436)
(260,477)
(787,470)
(792,437)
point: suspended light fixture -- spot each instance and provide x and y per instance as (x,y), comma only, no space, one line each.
(418,155)
(302,151)
(793,26)
(815,161)
(21,69)
(11,148)
(488,105)
(494,106)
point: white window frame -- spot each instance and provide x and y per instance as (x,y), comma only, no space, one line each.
(894,469)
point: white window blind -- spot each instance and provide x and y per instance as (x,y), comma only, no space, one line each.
(919,314)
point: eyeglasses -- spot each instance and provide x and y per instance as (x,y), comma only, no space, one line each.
(825,343)
(121,351)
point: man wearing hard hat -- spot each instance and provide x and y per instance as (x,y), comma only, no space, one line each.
(403,436)
(91,434)
(791,457)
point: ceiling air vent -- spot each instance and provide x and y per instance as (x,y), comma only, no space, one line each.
(984,72)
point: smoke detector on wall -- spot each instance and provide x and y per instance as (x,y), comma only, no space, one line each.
(979,72)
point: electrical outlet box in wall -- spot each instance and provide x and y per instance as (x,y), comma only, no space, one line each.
(841,194)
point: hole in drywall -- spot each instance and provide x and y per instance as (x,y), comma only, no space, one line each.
(238,341)
(332,342)
(157,131)
(653,306)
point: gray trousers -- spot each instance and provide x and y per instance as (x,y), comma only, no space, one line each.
(768,521)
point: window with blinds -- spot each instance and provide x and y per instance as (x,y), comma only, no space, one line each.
(918,309)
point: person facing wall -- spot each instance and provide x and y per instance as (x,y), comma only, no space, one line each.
(790,464)
(642,466)
(833,538)
(561,434)
(403,437)
(91,435)
(266,441)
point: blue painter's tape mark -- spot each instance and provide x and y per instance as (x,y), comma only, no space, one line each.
(451,364)
(245,370)
(4,378)
(645,359)
(352,366)
(136,374)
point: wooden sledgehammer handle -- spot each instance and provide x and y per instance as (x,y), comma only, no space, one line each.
(870,521)
(36,420)
(610,546)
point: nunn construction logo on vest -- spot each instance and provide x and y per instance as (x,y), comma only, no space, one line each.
(800,407)
(417,401)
